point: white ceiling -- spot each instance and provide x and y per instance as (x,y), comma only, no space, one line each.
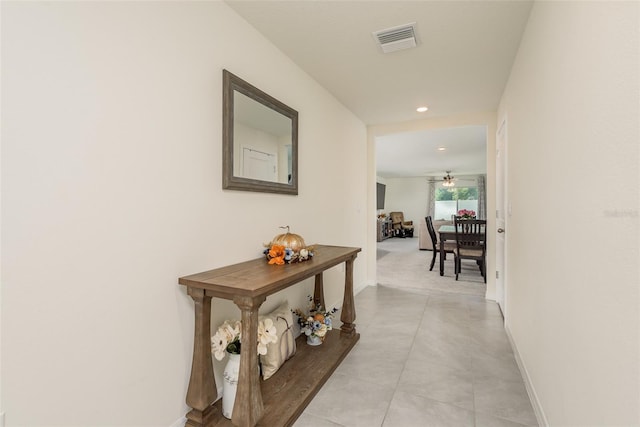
(461,64)
(415,154)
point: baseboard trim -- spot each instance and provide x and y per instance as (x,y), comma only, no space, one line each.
(359,288)
(179,422)
(533,396)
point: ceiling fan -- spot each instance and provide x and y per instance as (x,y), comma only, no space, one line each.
(447,180)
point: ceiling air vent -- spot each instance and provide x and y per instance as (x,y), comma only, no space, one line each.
(396,38)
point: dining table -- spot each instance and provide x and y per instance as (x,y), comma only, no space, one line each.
(445,232)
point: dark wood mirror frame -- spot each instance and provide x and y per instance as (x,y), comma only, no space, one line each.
(233,84)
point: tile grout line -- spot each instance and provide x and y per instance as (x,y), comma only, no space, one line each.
(413,342)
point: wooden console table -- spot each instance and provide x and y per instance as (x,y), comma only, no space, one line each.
(279,400)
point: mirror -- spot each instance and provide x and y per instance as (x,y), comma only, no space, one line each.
(259,140)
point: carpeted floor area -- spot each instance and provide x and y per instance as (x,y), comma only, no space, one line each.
(402,265)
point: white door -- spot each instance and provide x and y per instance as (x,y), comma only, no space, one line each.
(501,215)
(259,165)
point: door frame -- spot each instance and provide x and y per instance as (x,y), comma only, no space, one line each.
(502,216)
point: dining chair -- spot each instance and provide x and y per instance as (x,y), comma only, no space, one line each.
(449,247)
(471,244)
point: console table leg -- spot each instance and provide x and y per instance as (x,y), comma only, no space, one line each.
(348,315)
(248,406)
(202,391)
(318,292)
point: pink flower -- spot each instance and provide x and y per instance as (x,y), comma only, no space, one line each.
(466,213)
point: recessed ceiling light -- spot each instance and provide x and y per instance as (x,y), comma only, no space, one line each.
(421,109)
(441,148)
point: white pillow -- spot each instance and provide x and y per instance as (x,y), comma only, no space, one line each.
(285,347)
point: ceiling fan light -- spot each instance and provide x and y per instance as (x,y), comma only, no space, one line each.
(447,180)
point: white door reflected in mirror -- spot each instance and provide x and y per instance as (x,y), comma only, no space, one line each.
(259,165)
(262,141)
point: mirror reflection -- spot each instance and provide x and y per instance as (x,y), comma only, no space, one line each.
(260,140)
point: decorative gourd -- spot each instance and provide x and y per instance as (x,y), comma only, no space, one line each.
(287,248)
(289,240)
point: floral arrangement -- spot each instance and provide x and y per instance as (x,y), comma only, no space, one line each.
(279,255)
(287,248)
(228,337)
(317,322)
(467,214)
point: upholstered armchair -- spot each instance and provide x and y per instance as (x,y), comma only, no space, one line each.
(401,228)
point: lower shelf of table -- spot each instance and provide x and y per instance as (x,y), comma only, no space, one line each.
(289,391)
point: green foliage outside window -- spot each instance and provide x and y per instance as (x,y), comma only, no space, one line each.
(458,193)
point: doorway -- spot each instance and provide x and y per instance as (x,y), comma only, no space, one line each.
(501,216)
(435,126)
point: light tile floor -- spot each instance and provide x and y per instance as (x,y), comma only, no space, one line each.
(424,360)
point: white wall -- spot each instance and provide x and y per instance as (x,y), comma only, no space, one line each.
(409,196)
(111,191)
(572,110)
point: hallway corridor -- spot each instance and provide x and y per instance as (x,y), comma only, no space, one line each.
(426,357)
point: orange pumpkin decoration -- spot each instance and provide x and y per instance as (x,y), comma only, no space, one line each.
(287,248)
(292,241)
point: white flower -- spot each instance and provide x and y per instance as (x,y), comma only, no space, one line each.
(230,331)
(267,332)
(322,331)
(262,348)
(227,333)
(219,345)
(304,253)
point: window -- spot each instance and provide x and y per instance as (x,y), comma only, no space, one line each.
(450,200)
